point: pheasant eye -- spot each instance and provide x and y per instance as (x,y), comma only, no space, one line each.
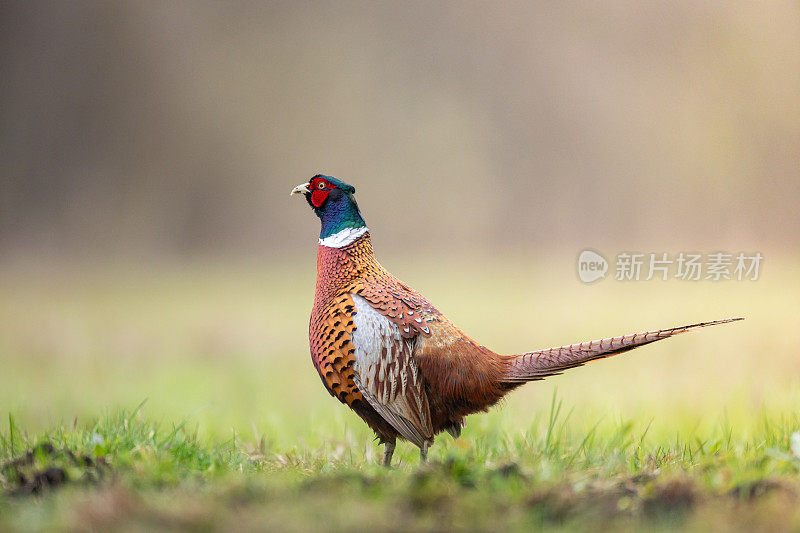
(321,185)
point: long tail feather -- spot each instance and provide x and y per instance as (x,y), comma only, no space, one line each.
(540,364)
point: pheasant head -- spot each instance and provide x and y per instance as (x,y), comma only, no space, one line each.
(334,203)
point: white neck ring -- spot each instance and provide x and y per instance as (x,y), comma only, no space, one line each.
(343,238)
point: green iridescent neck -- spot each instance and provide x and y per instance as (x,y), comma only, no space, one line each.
(340,214)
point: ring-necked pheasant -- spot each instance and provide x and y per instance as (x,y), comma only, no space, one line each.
(381,348)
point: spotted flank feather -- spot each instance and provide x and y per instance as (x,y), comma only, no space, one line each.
(387,374)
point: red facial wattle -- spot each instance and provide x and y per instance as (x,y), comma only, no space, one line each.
(318,197)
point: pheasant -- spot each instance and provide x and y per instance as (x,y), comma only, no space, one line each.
(384,350)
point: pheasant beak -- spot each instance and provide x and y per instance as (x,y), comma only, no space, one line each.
(300,189)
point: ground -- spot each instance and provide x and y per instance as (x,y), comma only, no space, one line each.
(182,396)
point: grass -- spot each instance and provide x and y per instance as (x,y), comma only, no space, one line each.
(236,432)
(553,474)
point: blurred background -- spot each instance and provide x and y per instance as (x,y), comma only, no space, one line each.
(149,248)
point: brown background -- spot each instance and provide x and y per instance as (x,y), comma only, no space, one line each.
(177,129)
